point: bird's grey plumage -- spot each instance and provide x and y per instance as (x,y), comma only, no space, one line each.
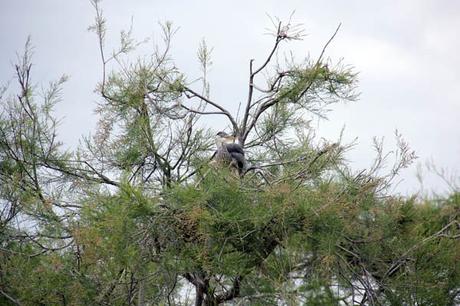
(234,148)
(231,153)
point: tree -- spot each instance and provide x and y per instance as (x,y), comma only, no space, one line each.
(137,215)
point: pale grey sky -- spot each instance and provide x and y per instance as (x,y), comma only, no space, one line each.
(406,53)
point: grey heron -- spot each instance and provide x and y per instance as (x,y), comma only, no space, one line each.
(230,152)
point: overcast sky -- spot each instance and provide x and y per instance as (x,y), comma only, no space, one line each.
(406,53)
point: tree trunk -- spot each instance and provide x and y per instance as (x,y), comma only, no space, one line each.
(141,293)
(199,295)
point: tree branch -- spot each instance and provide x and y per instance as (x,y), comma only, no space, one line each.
(232,293)
(214,104)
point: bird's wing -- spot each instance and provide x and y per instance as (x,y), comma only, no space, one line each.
(234,148)
(239,158)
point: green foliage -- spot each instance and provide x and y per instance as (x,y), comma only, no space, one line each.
(140,214)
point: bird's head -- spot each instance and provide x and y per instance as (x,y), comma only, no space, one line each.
(223,137)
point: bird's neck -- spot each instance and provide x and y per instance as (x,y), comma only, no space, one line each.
(219,142)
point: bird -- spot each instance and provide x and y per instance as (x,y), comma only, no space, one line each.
(230,152)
